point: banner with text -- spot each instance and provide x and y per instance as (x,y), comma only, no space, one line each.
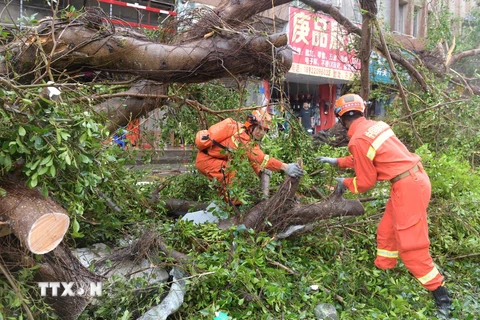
(321,46)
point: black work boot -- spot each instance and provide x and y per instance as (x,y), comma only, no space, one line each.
(443,301)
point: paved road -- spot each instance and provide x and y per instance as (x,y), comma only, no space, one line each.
(168,161)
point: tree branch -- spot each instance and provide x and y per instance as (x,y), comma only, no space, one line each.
(458,56)
(399,83)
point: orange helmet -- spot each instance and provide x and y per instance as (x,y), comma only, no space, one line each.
(349,102)
(259,117)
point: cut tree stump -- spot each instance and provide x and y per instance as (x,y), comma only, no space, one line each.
(37,221)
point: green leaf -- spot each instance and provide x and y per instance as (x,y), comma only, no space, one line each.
(126,315)
(33,181)
(53,171)
(21,146)
(7,161)
(67,159)
(65,135)
(21,131)
(38,143)
(83,158)
(75,226)
(44,190)
(63,155)
(83,137)
(47,160)
(5,146)
(12,147)
(35,164)
(27,102)
(42,170)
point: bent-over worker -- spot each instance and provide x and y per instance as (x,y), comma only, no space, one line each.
(215,161)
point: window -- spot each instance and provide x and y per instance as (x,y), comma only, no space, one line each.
(357,13)
(416,17)
(402,16)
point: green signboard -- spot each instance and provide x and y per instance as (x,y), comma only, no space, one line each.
(380,70)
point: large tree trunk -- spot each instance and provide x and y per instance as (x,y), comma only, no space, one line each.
(57,266)
(62,266)
(82,47)
(38,222)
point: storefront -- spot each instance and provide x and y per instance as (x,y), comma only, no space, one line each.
(322,62)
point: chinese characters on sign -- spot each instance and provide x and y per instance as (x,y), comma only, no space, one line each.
(379,69)
(320,46)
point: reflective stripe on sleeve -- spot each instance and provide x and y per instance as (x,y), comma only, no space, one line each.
(265,160)
(355,185)
(382,137)
(429,276)
(234,139)
(371,153)
(387,253)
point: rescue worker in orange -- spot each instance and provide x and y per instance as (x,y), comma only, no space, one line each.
(215,161)
(377,154)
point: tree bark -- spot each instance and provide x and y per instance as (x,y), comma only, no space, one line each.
(62,266)
(79,47)
(38,222)
(369,11)
(133,105)
(59,265)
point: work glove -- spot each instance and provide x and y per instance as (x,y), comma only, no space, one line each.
(265,171)
(294,170)
(340,189)
(330,161)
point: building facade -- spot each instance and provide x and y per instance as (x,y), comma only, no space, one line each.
(139,13)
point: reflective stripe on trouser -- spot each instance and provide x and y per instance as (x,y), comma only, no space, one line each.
(387,252)
(404,228)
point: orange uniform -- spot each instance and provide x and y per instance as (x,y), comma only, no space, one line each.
(215,161)
(377,154)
